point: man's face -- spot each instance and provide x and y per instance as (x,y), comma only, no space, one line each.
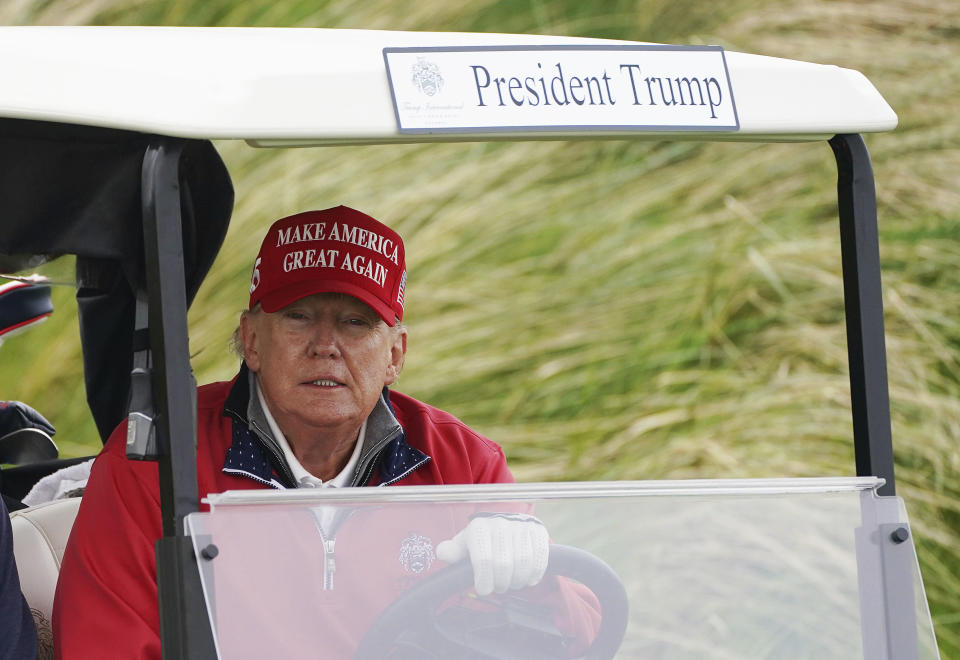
(322,362)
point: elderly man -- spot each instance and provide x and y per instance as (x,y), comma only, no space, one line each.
(321,341)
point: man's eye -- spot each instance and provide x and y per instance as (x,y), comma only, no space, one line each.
(294,315)
(357,321)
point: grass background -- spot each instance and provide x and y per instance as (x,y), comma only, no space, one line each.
(624,310)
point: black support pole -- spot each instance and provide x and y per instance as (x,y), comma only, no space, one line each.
(866,348)
(184,625)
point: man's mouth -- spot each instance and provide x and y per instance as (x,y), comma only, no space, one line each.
(325,382)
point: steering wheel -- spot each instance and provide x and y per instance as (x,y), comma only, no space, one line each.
(501,626)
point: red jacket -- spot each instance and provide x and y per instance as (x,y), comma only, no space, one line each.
(106,601)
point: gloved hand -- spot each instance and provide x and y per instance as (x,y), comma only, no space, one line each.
(507,551)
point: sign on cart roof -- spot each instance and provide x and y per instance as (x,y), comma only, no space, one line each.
(316,86)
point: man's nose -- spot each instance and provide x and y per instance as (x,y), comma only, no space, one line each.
(324,341)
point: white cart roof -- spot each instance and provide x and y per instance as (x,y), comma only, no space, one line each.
(314,86)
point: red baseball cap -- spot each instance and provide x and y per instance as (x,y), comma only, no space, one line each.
(338,250)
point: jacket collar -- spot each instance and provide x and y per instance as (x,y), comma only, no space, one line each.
(255,454)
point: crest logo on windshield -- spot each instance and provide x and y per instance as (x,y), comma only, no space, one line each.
(426,77)
(416,553)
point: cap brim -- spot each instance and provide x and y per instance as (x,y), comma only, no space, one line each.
(277,300)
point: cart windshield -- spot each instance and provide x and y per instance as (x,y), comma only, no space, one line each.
(694,569)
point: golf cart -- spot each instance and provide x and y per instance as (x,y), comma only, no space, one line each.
(784,568)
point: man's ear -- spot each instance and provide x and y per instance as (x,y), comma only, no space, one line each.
(248,337)
(398,352)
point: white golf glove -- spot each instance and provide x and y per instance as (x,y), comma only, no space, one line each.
(507,551)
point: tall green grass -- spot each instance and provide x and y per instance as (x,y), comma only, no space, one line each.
(626,310)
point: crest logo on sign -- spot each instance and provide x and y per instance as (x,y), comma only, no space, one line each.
(426,77)
(416,553)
